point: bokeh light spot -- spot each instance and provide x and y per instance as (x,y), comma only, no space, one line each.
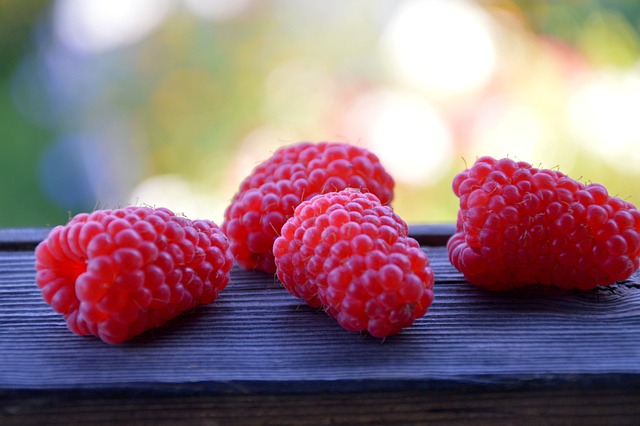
(603,116)
(503,127)
(94,26)
(406,132)
(179,195)
(442,46)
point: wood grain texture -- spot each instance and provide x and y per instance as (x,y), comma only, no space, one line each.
(602,407)
(257,340)
(21,238)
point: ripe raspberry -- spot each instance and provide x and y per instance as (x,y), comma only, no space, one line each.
(294,173)
(117,273)
(518,225)
(351,255)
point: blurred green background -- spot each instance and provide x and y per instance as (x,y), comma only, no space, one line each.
(173,102)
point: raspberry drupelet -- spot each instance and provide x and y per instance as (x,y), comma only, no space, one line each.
(116,273)
(519,225)
(351,255)
(294,173)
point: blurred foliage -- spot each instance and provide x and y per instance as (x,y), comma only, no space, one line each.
(179,114)
(18,19)
(21,199)
(605,31)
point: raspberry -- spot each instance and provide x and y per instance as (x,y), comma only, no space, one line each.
(350,254)
(294,173)
(518,225)
(116,273)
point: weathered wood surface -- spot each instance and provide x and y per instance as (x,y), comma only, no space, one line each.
(536,354)
(586,407)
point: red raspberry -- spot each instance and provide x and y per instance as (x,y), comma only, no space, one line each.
(117,273)
(294,173)
(518,225)
(350,254)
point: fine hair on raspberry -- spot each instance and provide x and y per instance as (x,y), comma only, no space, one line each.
(349,254)
(116,273)
(519,225)
(294,173)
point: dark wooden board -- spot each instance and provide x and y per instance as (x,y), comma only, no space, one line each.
(19,239)
(551,407)
(257,340)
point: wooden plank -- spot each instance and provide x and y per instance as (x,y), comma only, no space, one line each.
(433,234)
(28,238)
(256,340)
(21,238)
(589,407)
